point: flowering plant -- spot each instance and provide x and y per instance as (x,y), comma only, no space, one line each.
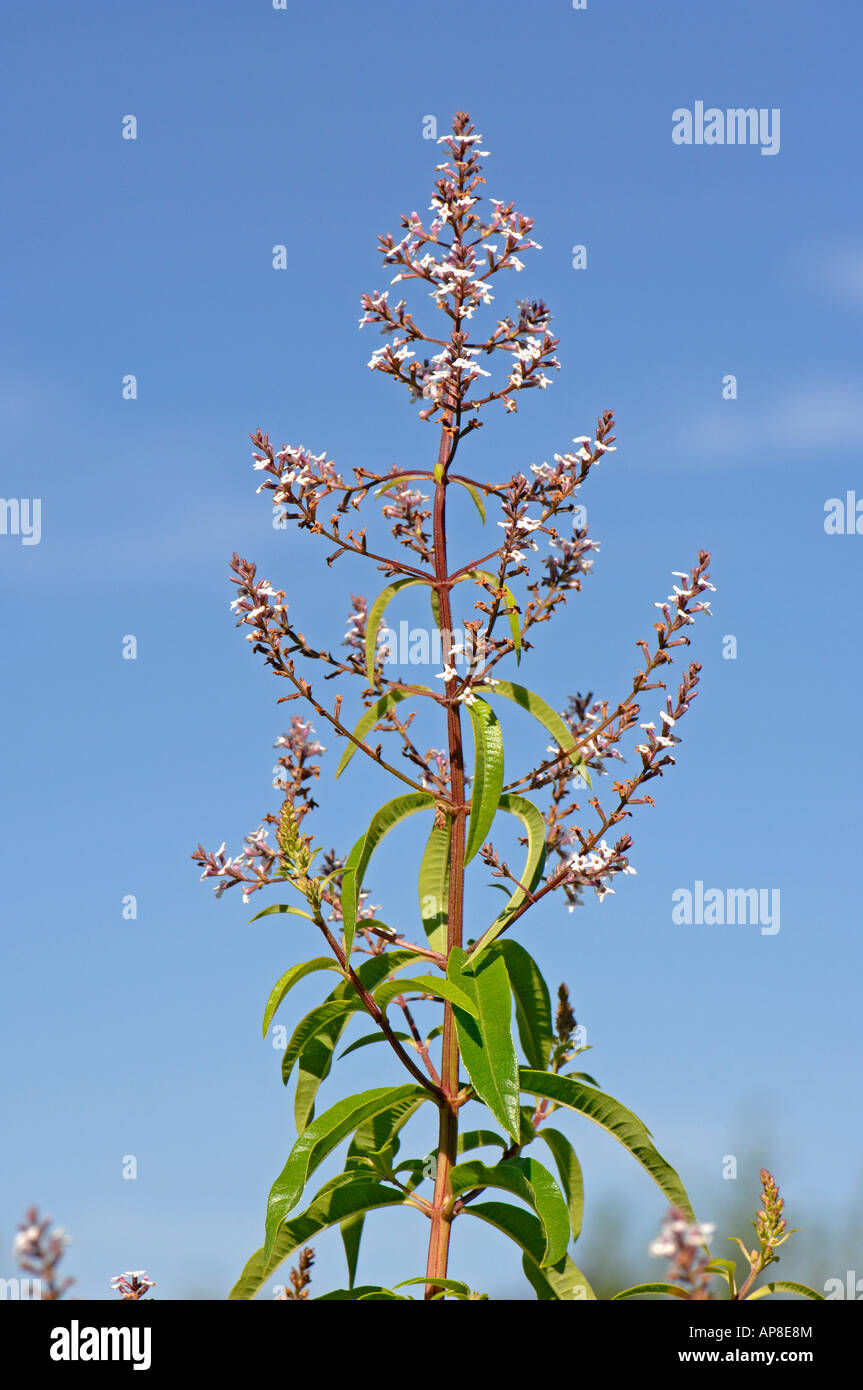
(468,1059)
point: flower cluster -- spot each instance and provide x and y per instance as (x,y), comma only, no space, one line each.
(457,255)
(300,1278)
(682,1242)
(594,868)
(39,1250)
(133,1285)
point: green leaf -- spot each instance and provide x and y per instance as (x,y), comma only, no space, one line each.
(289,979)
(313,1067)
(330,1207)
(381,823)
(480,1139)
(671,1289)
(474,492)
(355,1295)
(485,1041)
(520,1225)
(433,887)
(280,907)
(312,1024)
(426,984)
(562,1282)
(368,1038)
(728,1269)
(528,1179)
(569,1170)
(610,1115)
(532,820)
(319,1140)
(512,614)
(368,721)
(397,482)
(532,1003)
(375,969)
(316,1058)
(352,1233)
(487,775)
(383,1296)
(373,622)
(548,717)
(450,1285)
(380,1131)
(786,1286)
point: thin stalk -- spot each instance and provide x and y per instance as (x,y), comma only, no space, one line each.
(441,1221)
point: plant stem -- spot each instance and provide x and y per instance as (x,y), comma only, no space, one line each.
(438,1252)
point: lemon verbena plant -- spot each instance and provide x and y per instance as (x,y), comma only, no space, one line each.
(496,1158)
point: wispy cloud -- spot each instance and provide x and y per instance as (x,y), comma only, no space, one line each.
(799,421)
(842,274)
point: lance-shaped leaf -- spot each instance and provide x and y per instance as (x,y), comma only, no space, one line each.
(512,611)
(563,1282)
(480,1139)
(375,969)
(433,887)
(381,1129)
(319,1140)
(520,1225)
(368,721)
(532,1003)
(309,1026)
(368,1038)
(549,718)
(363,1293)
(610,1115)
(528,1179)
(534,824)
(485,1040)
(447,1285)
(375,617)
(281,907)
(785,1286)
(671,1289)
(475,494)
(289,979)
(487,775)
(569,1171)
(426,984)
(352,1234)
(377,1134)
(332,1205)
(316,1057)
(381,823)
(313,1067)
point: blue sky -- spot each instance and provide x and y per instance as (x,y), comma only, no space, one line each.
(154,257)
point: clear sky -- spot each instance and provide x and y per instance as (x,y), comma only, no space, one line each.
(153,257)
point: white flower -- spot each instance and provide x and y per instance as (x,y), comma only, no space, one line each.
(700,1233)
(447,674)
(26,1240)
